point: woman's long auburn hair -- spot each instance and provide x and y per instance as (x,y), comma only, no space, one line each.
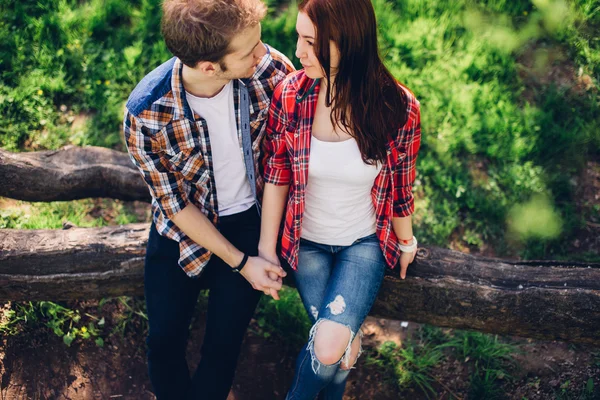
(367,101)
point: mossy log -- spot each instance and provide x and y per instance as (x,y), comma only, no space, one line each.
(536,299)
(70,173)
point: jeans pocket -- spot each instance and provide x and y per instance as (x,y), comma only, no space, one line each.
(372,236)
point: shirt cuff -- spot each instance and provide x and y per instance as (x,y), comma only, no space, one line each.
(277,177)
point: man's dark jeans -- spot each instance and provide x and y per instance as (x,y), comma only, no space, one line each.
(171,297)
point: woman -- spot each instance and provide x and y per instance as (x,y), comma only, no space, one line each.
(341,147)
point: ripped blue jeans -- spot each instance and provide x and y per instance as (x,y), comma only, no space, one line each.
(339,284)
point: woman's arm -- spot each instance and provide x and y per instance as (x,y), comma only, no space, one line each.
(277,175)
(404,176)
(273,205)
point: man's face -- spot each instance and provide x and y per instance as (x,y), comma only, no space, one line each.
(246,52)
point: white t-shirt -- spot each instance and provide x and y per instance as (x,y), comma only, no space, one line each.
(234,194)
(338,205)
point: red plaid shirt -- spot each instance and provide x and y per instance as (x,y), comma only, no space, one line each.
(170,145)
(287,150)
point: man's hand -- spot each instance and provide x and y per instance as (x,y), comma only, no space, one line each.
(263,275)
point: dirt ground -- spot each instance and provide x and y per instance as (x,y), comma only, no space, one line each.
(38,365)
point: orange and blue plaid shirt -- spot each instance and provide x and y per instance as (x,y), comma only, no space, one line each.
(287,151)
(170,145)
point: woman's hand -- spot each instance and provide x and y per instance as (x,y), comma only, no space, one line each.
(271,256)
(405,259)
(404,233)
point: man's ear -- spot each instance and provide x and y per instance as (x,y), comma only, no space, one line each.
(206,67)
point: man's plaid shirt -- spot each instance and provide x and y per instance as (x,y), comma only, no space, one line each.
(170,145)
(287,151)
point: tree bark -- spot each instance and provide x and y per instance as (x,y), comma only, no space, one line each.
(70,173)
(536,299)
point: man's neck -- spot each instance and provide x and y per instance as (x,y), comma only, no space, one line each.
(201,85)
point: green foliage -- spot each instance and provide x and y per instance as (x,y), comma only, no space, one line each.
(285,319)
(490,359)
(51,215)
(567,392)
(536,218)
(84,56)
(64,322)
(132,309)
(408,365)
(491,140)
(72,323)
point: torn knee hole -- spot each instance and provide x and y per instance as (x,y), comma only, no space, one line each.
(354,353)
(325,351)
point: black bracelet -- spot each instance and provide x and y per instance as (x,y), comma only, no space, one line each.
(239,267)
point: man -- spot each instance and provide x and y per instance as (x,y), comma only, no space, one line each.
(193,127)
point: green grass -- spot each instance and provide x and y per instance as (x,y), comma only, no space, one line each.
(490,359)
(586,392)
(284,319)
(24,215)
(486,149)
(64,322)
(132,308)
(411,365)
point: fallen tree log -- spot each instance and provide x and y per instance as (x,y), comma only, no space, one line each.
(537,299)
(70,173)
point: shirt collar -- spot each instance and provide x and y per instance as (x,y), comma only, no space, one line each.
(307,86)
(181,108)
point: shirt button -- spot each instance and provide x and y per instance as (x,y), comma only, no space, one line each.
(295,135)
(295,158)
(297,182)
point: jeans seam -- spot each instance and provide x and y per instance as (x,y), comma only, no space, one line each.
(293,390)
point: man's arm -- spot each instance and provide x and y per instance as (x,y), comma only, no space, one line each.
(198,228)
(166,186)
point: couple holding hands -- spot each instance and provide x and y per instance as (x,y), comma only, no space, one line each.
(252,164)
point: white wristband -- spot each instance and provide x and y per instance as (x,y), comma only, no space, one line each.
(411,248)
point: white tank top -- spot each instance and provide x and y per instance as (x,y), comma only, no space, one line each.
(338,205)
(234,194)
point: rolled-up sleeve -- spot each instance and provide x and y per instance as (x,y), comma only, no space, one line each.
(277,167)
(166,186)
(405,170)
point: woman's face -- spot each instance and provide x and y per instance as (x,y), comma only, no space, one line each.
(305,50)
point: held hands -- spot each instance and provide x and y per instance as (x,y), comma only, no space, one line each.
(264,275)
(271,256)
